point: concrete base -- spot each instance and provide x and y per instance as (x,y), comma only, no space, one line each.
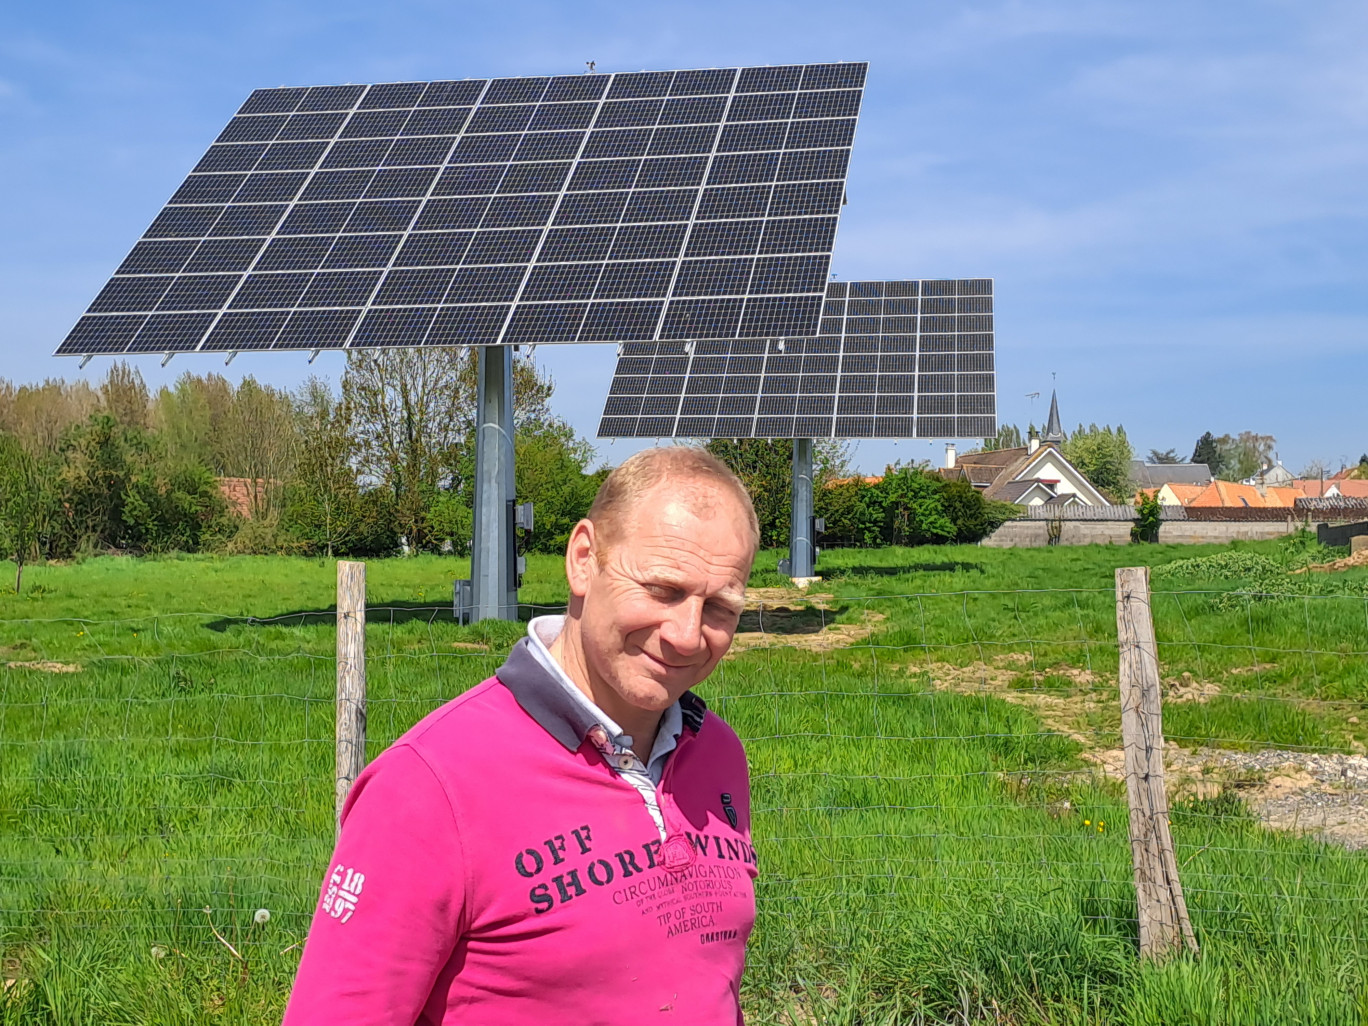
(1358,543)
(803,582)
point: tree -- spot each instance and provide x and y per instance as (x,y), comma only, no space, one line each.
(123,395)
(191,419)
(1149,515)
(1246,454)
(1315,469)
(25,504)
(1008,437)
(1208,453)
(257,441)
(972,515)
(323,505)
(853,510)
(118,490)
(1167,457)
(914,512)
(551,471)
(765,467)
(39,415)
(414,416)
(1104,457)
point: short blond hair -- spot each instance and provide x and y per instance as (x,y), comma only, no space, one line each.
(641,472)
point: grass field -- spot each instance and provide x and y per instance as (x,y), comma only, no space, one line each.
(937,842)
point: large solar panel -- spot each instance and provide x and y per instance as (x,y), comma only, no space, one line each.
(578,208)
(894,359)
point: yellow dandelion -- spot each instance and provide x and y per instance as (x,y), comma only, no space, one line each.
(1087,822)
(1099,828)
(1100,823)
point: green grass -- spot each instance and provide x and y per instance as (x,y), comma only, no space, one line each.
(919,861)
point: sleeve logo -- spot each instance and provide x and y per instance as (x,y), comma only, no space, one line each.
(343,893)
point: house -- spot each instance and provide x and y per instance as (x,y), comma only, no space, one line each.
(1274,476)
(1228,494)
(1035,474)
(1176,494)
(1147,476)
(1332,488)
(245,496)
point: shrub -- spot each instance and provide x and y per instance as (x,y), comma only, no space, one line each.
(1149,514)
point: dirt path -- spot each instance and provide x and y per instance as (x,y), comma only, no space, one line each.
(792,618)
(1358,559)
(1321,794)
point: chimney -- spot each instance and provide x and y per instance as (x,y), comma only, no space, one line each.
(1033,443)
(949,455)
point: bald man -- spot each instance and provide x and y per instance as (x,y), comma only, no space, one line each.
(568,841)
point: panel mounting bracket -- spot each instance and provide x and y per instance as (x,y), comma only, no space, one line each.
(314,355)
(85,360)
(230,358)
(167,359)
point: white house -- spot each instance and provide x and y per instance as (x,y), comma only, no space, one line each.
(1035,474)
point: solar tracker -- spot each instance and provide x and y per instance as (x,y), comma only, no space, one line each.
(577,208)
(893,359)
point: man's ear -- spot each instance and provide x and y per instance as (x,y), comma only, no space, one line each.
(580,558)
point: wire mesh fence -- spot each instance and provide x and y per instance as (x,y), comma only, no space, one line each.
(939,810)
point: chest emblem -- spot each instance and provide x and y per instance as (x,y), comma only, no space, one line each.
(728,809)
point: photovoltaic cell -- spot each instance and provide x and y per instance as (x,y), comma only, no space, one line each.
(894,359)
(588,208)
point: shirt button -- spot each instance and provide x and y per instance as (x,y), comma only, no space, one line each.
(625,762)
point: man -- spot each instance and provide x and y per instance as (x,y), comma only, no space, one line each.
(569,841)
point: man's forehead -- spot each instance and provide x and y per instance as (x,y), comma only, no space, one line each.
(670,505)
(674,544)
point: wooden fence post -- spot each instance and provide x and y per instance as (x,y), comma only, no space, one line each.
(351,678)
(1164,924)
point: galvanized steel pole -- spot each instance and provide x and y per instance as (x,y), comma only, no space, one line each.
(801,553)
(492,555)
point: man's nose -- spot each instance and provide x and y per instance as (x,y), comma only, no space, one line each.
(682,629)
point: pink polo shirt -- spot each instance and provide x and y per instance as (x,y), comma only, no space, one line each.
(493,868)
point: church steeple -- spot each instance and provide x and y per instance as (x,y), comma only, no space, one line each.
(1054,431)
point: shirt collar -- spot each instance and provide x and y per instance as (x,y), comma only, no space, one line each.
(547,694)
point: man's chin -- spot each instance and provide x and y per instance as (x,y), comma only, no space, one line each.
(656,691)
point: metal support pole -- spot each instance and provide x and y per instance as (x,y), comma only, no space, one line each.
(801,553)
(493,580)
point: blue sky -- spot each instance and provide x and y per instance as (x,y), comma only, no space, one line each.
(1172,197)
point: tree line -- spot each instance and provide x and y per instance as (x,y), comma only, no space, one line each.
(382,464)
(908,505)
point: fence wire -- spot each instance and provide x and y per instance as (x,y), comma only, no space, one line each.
(927,769)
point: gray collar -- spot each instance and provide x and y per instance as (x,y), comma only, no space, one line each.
(546,702)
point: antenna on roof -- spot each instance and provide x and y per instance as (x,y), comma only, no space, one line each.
(591,65)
